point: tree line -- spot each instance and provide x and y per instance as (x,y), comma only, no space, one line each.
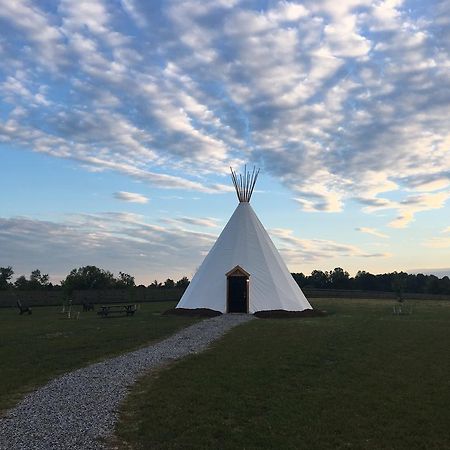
(87,277)
(92,277)
(388,282)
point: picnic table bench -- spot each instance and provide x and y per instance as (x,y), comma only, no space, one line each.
(107,310)
(23,309)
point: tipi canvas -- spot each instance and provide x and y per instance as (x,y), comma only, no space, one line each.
(243,272)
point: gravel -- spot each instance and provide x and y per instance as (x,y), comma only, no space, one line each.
(79,409)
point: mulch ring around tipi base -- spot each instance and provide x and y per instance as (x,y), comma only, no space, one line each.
(282,314)
(269,314)
(197,312)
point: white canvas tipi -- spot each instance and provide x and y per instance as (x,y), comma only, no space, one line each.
(243,272)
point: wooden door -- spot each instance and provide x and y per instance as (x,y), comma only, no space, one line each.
(237,291)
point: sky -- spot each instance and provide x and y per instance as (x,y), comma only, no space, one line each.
(119,121)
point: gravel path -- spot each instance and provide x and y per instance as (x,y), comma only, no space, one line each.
(76,409)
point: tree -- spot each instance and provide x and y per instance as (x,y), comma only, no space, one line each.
(6,274)
(318,279)
(365,281)
(88,277)
(183,283)
(22,283)
(300,279)
(125,281)
(444,285)
(38,280)
(399,280)
(155,285)
(339,278)
(169,283)
(432,285)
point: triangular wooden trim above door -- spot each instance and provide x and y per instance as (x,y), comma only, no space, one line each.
(237,271)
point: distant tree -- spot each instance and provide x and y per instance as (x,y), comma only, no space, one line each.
(22,283)
(384,282)
(319,279)
(183,283)
(38,280)
(6,274)
(432,285)
(339,279)
(300,279)
(420,283)
(169,283)
(88,277)
(125,281)
(364,281)
(155,285)
(399,280)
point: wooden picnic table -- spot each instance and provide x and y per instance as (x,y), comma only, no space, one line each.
(106,310)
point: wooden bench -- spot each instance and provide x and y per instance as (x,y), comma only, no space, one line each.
(107,310)
(23,309)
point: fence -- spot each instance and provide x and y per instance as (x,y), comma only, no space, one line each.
(58,297)
(141,295)
(347,293)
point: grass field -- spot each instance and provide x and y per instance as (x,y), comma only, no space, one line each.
(360,378)
(36,348)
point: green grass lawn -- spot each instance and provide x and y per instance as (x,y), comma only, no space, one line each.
(36,348)
(360,378)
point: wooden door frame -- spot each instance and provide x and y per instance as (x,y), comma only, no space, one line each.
(238,271)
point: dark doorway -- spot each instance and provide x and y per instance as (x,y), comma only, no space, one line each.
(237,297)
(237,294)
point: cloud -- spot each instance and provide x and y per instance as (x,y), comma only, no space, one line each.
(130,7)
(372,231)
(34,27)
(340,101)
(127,242)
(130,197)
(208,222)
(114,241)
(437,242)
(417,203)
(298,251)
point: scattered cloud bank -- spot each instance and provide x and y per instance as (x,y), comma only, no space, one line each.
(372,231)
(116,241)
(130,197)
(208,222)
(341,101)
(126,242)
(297,251)
(438,242)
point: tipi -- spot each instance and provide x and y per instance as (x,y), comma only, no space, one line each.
(243,272)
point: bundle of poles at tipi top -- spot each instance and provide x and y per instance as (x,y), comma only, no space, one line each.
(244,184)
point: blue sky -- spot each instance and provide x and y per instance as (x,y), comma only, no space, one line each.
(119,121)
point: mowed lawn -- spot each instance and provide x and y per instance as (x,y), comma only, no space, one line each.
(360,378)
(36,348)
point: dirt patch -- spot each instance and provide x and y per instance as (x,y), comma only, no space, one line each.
(282,314)
(197,312)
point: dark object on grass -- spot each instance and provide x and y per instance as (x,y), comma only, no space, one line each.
(281,314)
(197,312)
(108,310)
(88,306)
(23,309)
